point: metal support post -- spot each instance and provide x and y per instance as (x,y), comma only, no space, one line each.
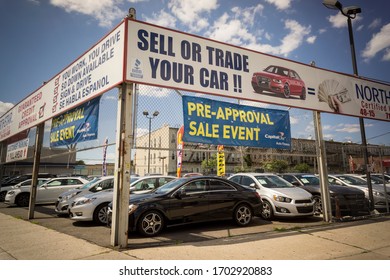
(322,168)
(124,142)
(37,159)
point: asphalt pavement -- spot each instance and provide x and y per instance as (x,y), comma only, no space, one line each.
(363,239)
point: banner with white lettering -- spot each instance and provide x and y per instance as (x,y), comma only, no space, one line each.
(168,58)
(222,123)
(93,73)
(76,125)
(17,151)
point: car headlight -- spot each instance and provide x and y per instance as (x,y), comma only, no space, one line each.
(85,201)
(378,193)
(132,208)
(282,198)
(11,192)
(69,196)
(277,81)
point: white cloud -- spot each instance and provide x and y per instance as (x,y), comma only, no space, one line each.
(379,41)
(280,4)
(340,21)
(4,107)
(104,11)
(162,19)
(157,92)
(311,39)
(190,12)
(348,128)
(375,23)
(295,37)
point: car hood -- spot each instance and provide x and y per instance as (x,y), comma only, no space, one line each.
(138,198)
(72,191)
(291,192)
(269,75)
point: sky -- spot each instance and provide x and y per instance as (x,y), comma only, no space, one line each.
(41,37)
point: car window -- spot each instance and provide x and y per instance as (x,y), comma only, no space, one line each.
(55,183)
(236,179)
(246,181)
(90,183)
(289,178)
(104,185)
(273,182)
(353,180)
(145,184)
(164,180)
(195,186)
(74,182)
(216,185)
(309,179)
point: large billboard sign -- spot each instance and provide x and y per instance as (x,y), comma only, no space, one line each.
(222,123)
(93,73)
(163,57)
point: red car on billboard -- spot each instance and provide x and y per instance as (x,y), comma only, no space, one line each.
(279,80)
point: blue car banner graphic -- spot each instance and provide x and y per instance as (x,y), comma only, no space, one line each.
(222,123)
(76,125)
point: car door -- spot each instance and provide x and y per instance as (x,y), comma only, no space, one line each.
(50,191)
(222,198)
(189,202)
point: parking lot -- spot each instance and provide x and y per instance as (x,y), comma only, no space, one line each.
(46,216)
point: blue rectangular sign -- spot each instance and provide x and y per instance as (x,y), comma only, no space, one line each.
(76,125)
(221,123)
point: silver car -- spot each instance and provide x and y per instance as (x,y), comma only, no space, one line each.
(378,192)
(47,193)
(93,207)
(280,198)
(94,186)
(25,183)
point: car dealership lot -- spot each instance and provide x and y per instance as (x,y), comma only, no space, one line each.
(46,216)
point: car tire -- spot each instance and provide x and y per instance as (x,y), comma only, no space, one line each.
(303,94)
(100,214)
(317,204)
(267,213)
(257,89)
(286,91)
(243,215)
(23,199)
(151,223)
(2,196)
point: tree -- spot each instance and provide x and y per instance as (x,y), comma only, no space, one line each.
(302,167)
(277,166)
(209,165)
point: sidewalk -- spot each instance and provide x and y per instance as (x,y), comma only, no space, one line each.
(367,239)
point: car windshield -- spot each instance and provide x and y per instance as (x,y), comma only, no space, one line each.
(353,180)
(89,184)
(309,179)
(170,186)
(272,182)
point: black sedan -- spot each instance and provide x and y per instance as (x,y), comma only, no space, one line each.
(191,200)
(344,201)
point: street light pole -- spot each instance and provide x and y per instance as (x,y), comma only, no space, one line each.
(146,114)
(350,13)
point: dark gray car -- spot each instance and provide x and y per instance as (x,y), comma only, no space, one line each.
(344,201)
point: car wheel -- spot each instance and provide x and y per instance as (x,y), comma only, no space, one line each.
(317,205)
(286,91)
(243,215)
(23,200)
(303,94)
(256,88)
(2,196)
(151,223)
(100,214)
(267,212)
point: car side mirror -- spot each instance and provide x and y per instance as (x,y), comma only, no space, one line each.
(295,183)
(99,188)
(253,186)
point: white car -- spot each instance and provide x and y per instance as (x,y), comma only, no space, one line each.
(93,207)
(93,186)
(4,190)
(47,192)
(280,198)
